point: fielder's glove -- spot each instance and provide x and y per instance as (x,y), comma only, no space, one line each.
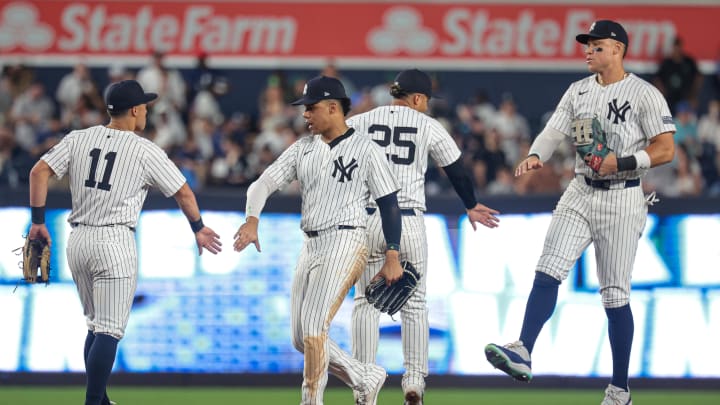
(35,256)
(391,298)
(591,142)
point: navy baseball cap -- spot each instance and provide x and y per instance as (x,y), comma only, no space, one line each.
(414,81)
(602,29)
(126,94)
(322,88)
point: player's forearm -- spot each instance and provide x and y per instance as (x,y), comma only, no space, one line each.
(188,205)
(39,176)
(257,195)
(661,149)
(545,143)
(461,182)
(391,220)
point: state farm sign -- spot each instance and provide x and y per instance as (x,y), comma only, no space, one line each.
(379,32)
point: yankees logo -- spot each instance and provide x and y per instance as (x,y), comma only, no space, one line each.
(345,171)
(618,111)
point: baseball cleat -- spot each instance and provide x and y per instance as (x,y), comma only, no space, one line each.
(513,359)
(616,396)
(367,394)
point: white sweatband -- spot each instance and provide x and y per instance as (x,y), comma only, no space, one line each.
(257,195)
(643,159)
(546,142)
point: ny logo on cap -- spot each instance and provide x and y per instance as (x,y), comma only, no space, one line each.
(325,93)
(592,27)
(305,89)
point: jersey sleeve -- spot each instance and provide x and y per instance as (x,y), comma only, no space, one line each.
(358,123)
(58,157)
(381,181)
(284,169)
(161,172)
(564,114)
(655,117)
(443,148)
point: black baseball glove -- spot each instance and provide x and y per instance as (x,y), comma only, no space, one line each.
(391,298)
(35,256)
(591,142)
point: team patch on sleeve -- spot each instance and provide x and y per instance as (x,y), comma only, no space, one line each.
(666,119)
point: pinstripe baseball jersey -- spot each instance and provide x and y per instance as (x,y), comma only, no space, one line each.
(351,168)
(631,112)
(408,137)
(110,174)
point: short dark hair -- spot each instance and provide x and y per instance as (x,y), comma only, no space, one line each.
(119,113)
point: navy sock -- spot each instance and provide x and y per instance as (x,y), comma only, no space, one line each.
(99,363)
(540,306)
(620,331)
(89,339)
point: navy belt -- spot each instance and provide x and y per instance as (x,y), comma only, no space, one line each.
(408,212)
(313,234)
(607,184)
(76,224)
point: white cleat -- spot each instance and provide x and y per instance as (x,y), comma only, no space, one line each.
(616,396)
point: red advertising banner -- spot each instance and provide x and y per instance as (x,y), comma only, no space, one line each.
(448,35)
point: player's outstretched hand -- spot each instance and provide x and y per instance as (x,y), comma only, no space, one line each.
(39,231)
(484,215)
(391,270)
(530,163)
(208,239)
(247,234)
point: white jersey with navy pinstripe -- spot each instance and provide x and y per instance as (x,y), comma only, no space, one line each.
(110,174)
(408,137)
(631,112)
(337,179)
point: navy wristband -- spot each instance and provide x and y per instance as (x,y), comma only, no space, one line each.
(626,163)
(196,226)
(393,246)
(37,215)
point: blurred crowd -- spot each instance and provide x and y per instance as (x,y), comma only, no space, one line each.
(216,148)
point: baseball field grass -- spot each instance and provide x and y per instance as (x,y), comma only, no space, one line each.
(34,395)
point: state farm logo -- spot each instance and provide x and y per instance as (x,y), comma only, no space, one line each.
(21,28)
(402,31)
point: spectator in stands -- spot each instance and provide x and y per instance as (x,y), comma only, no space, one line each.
(167,83)
(709,135)
(15,162)
(678,77)
(117,72)
(331,70)
(503,184)
(30,113)
(6,97)
(73,86)
(687,130)
(512,127)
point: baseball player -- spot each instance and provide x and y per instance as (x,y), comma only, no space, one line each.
(110,169)
(408,137)
(604,204)
(338,170)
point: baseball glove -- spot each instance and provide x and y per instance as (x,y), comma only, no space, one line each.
(591,142)
(391,298)
(35,255)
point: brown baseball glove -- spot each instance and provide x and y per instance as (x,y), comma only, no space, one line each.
(35,256)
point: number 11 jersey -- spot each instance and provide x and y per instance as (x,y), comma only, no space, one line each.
(110,174)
